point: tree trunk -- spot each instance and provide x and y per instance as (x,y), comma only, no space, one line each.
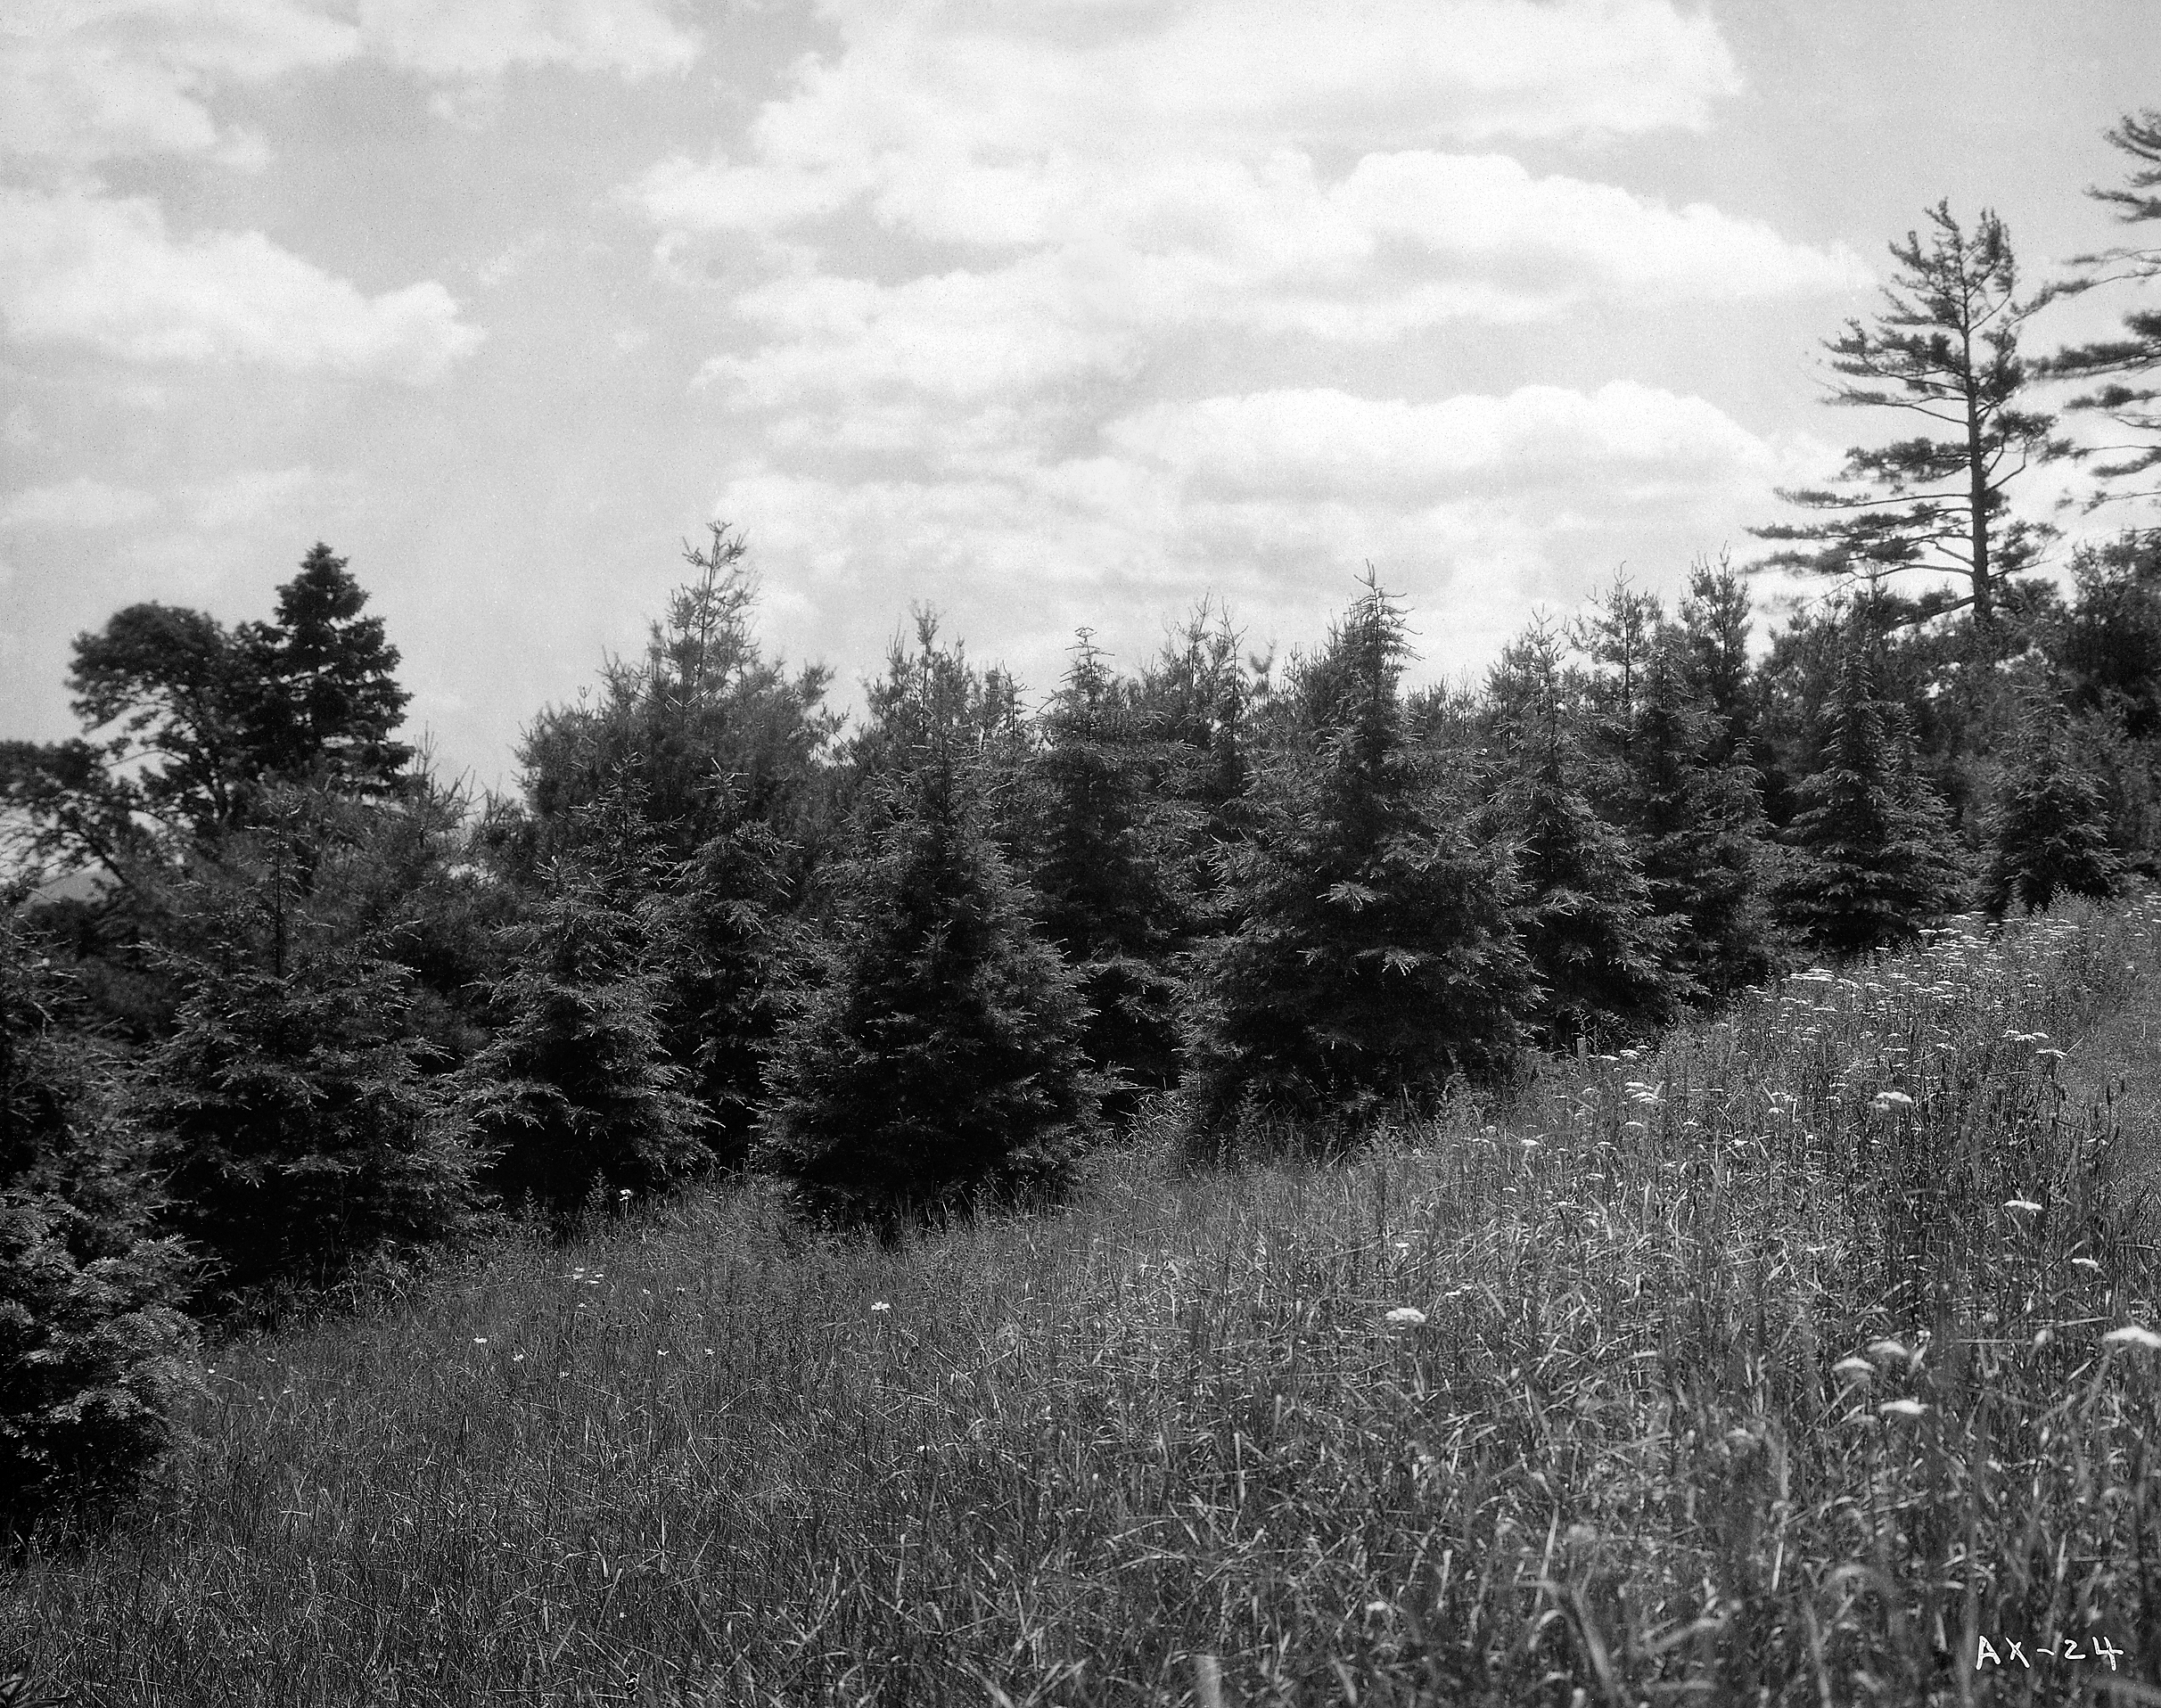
(1976,470)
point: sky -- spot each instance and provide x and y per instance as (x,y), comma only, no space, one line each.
(1044,314)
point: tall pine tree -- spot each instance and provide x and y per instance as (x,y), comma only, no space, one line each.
(1943,351)
(2128,397)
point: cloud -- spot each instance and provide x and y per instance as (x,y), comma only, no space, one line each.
(83,504)
(104,273)
(1475,508)
(989,268)
(1087,182)
(83,81)
(1629,439)
(918,90)
(1018,123)
(450,39)
(1403,244)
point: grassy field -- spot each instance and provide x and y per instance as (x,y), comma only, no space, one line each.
(1786,1364)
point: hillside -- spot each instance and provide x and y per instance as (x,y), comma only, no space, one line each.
(1782,1363)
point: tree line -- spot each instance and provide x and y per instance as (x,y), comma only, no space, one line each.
(302,1006)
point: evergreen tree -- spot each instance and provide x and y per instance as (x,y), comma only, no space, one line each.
(935,699)
(1201,693)
(1619,636)
(1371,959)
(1945,349)
(325,689)
(733,951)
(2110,642)
(1605,961)
(294,1112)
(1715,618)
(1107,892)
(2127,398)
(98,1360)
(2051,834)
(942,1058)
(403,879)
(189,725)
(1876,861)
(577,1090)
(716,733)
(1700,832)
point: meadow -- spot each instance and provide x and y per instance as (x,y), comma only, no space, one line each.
(1791,1361)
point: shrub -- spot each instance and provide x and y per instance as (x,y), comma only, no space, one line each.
(94,1358)
(97,1360)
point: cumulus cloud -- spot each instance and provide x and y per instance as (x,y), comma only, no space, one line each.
(103,272)
(941,99)
(1404,454)
(1475,508)
(483,38)
(1116,174)
(83,81)
(1403,244)
(971,250)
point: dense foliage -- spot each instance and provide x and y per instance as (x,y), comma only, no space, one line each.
(943,1057)
(96,1355)
(1371,959)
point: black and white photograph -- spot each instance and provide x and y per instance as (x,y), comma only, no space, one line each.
(1080,853)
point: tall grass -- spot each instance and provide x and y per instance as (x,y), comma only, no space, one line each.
(1783,1364)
